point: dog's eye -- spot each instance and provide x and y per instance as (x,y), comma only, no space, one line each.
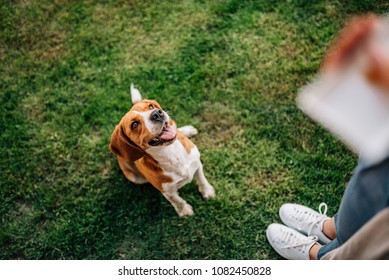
(134,125)
(151,106)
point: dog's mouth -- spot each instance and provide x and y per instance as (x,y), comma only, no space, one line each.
(167,135)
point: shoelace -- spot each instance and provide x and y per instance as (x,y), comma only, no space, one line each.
(295,241)
(312,219)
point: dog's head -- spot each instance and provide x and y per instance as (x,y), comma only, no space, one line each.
(146,125)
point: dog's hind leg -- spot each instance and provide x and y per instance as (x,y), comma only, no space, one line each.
(130,173)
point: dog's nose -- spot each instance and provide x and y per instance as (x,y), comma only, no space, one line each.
(157,115)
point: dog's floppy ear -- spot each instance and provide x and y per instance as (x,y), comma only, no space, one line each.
(124,147)
(135,95)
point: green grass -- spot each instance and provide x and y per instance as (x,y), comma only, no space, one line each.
(230,68)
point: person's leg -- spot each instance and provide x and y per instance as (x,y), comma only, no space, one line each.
(366,194)
(329,228)
(370,242)
(313,252)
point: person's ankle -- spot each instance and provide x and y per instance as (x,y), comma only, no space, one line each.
(329,228)
(314,251)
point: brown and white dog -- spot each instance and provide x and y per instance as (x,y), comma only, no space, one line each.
(151,149)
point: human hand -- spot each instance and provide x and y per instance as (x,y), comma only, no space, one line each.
(363,43)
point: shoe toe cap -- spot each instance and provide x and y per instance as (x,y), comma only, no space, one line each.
(285,211)
(273,232)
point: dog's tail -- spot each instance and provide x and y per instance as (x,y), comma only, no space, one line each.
(135,95)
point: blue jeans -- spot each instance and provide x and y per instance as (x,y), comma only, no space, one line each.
(366,194)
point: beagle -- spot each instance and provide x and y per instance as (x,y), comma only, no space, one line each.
(151,149)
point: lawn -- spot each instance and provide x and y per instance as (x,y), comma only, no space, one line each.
(230,68)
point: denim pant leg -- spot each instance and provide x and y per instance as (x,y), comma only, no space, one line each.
(366,194)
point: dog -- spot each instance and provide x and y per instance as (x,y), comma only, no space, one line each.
(150,149)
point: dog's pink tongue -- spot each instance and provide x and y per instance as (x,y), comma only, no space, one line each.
(168,133)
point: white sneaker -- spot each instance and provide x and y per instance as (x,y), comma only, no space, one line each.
(289,243)
(305,220)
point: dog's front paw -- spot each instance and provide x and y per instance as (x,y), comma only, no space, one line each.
(186,211)
(208,192)
(188,130)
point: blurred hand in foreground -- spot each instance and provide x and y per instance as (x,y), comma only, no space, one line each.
(363,43)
